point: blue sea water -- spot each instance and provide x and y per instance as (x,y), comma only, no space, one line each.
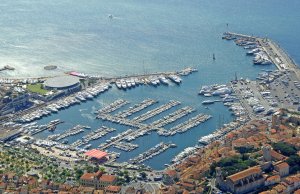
(143,36)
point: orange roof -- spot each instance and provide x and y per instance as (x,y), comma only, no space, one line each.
(277,155)
(292,179)
(113,188)
(171,172)
(282,165)
(94,153)
(88,176)
(272,178)
(244,174)
(107,178)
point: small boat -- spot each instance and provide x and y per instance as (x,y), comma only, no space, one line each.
(208,102)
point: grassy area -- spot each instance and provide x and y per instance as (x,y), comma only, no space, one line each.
(36,88)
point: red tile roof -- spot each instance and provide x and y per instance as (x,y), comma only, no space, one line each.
(171,173)
(94,153)
(282,165)
(277,155)
(113,188)
(88,176)
(107,178)
(244,174)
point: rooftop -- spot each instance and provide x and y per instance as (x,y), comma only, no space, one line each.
(61,81)
(94,153)
(246,173)
(113,188)
(107,178)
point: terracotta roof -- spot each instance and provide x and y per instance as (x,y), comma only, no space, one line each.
(107,178)
(88,176)
(113,188)
(282,165)
(94,153)
(272,178)
(277,155)
(280,188)
(244,174)
(171,173)
(292,179)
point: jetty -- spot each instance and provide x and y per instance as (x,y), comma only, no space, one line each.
(275,53)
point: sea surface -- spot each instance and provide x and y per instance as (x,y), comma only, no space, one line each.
(143,36)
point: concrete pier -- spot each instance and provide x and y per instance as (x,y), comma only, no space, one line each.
(277,55)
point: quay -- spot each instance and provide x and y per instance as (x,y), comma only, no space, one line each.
(277,55)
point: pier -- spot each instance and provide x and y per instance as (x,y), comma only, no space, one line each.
(156,111)
(277,55)
(113,106)
(136,108)
(158,149)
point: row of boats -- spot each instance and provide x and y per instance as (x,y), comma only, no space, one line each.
(185,126)
(156,150)
(172,117)
(220,133)
(127,83)
(260,57)
(114,139)
(70,132)
(94,135)
(33,128)
(112,107)
(55,106)
(136,108)
(228,97)
(125,146)
(151,113)
(215,90)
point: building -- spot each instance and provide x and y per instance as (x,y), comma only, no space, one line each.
(282,168)
(241,182)
(13,103)
(67,83)
(106,180)
(96,155)
(112,189)
(91,179)
(272,180)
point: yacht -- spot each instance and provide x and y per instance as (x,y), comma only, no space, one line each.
(118,84)
(163,80)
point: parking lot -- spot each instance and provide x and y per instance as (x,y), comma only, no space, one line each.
(286,90)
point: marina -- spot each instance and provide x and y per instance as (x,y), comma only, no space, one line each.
(132,120)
